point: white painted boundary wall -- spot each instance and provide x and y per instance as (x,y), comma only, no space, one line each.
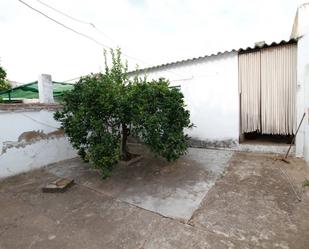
(29,139)
(210,88)
(302,139)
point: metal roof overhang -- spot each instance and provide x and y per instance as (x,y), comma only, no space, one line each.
(257,46)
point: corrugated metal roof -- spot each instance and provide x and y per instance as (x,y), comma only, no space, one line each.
(256,46)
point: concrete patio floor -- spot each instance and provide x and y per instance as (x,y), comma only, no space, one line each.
(207,199)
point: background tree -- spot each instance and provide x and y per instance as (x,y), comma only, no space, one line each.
(4,84)
(104,109)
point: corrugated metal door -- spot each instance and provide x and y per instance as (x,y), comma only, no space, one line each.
(278,89)
(267,83)
(250,88)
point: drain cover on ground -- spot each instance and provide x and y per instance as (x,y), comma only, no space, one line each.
(59,185)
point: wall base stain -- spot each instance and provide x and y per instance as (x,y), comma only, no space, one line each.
(227,143)
(197,143)
(30,137)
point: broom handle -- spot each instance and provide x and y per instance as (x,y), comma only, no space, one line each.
(287,153)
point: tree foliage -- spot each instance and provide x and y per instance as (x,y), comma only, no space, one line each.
(4,84)
(104,109)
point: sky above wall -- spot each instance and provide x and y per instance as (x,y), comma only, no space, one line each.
(149,32)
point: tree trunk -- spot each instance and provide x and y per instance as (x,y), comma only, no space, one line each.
(124,151)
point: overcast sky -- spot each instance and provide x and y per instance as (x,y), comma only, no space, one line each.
(152,31)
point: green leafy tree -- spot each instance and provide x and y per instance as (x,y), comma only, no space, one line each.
(104,109)
(4,84)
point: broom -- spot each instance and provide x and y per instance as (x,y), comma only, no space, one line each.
(285,158)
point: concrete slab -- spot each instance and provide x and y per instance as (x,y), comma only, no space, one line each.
(254,202)
(175,189)
(78,218)
(250,206)
(83,218)
(58,185)
(172,189)
(169,234)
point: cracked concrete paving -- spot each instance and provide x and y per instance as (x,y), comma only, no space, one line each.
(250,205)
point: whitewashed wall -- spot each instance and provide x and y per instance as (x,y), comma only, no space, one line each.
(29,139)
(210,87)
(302,139)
